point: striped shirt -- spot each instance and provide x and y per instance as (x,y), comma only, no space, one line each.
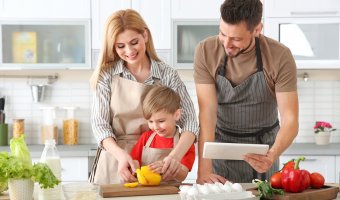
(101,116)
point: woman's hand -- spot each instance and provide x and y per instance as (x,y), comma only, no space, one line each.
(126,166)
(170,167)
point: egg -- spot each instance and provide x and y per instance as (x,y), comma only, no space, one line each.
(203,189)
(193,191)
(226,188)
(214,188)
(236,187)
(184,188)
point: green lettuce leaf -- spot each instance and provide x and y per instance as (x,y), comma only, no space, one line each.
(20,150)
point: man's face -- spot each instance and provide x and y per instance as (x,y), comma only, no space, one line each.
(235,38)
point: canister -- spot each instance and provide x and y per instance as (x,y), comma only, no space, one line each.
(70,127)
(3,134)
(18,127)
(49,129)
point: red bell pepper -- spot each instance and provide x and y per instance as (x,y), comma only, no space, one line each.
(288,165)
(295,180)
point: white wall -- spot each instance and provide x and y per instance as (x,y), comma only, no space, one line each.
(319,99)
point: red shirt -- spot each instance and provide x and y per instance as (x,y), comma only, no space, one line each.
(161,143)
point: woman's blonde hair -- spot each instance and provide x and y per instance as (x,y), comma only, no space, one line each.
(160,98)
(117,23)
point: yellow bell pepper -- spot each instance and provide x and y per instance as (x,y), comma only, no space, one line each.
(146,177)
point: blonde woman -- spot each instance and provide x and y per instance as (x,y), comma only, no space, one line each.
(128,65)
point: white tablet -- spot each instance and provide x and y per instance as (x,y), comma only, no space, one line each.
(232,151)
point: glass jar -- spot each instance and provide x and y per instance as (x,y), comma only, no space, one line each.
(70,127)
(18,127)
(49,129)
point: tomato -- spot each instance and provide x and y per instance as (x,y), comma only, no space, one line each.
(275,180)
(316,180)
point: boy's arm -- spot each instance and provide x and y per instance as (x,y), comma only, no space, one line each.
(181,174)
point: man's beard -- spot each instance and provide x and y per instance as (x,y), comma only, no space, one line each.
(240,50)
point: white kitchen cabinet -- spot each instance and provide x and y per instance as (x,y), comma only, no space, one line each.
(322,164)
(156,14)
(101,10)
(72,168)
(45,9)
(337,169)
(195,9)
(306,8)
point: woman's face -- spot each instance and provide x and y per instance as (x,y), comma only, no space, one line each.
(164,123)
(130,46)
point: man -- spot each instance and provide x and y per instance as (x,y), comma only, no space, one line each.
(242,80)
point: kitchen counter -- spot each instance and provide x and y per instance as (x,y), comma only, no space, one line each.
(64,150)
(90,149)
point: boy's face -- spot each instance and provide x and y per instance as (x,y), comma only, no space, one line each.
(164,123)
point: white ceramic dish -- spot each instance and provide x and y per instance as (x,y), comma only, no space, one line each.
(232,151)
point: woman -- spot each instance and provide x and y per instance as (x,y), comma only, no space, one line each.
(127,66)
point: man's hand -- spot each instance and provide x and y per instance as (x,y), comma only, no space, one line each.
(210,178)
(261,163)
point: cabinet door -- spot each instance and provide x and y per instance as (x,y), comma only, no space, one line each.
(322,164)
(45,9)
(337,170)
(306,8)
(199,9)
(156,14)
(101,10)
(72,168)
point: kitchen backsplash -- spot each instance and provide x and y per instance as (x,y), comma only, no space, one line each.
(318,100)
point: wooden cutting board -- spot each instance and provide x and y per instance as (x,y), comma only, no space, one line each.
(328,192)
(118,190)
(4,196)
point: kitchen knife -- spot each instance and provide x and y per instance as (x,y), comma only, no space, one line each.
(2,108)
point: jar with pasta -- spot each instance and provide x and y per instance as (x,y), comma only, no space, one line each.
(70,127)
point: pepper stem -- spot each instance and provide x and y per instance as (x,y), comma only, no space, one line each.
(302,158)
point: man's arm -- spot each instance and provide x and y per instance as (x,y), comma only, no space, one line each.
(207,102)
(289,117)
(289,112)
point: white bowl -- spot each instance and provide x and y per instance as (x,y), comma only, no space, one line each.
(80,191)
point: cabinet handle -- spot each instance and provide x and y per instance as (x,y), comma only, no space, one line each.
(314,13)
(310,159)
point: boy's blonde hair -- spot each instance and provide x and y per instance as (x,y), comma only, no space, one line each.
(160,98)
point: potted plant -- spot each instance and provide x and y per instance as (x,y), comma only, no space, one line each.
(17,170)
(322,132)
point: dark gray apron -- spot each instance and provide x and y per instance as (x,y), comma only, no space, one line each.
(247,113)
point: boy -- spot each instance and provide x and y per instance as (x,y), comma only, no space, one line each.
(161,108)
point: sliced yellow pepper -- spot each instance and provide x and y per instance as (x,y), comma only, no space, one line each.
(146,177)
(131,185)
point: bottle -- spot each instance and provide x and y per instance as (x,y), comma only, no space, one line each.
(49,129)
(70,127)
(50,156)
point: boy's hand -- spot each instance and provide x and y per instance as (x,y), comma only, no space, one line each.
(170,168)
(156,166)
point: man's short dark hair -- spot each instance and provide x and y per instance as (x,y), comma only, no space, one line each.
(236,11)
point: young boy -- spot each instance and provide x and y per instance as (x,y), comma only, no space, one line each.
(161,107)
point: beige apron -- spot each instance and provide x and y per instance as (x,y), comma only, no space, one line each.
(127,123)
(150,155)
